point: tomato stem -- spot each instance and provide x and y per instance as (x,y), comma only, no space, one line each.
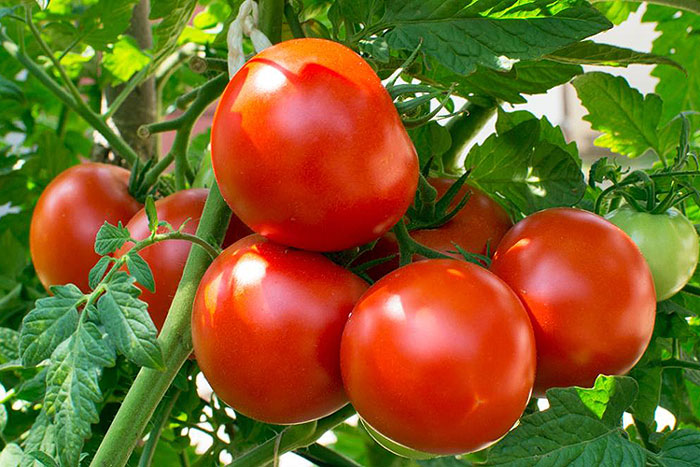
(463,128)
(293,21)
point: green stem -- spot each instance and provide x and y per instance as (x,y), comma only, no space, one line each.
(676,363)
(463,128)
(211,250)
(409,247)
(161,420)
(293,21)
(692,289)
(176,343)
(643,432)
(80,107)
(128,89)
(323,456)
(271,13)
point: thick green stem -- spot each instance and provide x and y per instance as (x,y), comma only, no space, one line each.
(323,456)
(271,13)
(81,108)
(692,289)
(462,129)
(175,341)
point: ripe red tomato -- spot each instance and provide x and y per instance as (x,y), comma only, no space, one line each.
(479,223)
(266,327)
(167,259)
(588,290)
(67,217)
(308,149)
(439,356)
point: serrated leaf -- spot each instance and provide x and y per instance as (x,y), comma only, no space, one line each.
(9,345)
(51,322)
(151,214)
(110,238)
(127,322)
(41,438)
(98,271)
(72,388)
(9,90)
(139,268)
(173,23)
(11,455)
(103,22)
(679,448)
(43,458)
(627,119)
(593,53)
(581,428)
(548,132)
(124,59)
(460,42)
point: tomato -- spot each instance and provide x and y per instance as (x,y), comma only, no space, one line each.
(167,259)
(67,217)
(266,326)
(587,289)
(668,242)
(480,223)
(308,149)
(439,357)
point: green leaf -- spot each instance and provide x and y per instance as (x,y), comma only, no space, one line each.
(679,448)
(430,140)
(51,322)
(173,23)
(617,11)
(13,259)
(649,382)
(127,322)
(9,90)
(110,238)
(138,267)
(581,428)
(41,438)
(72,388)
(627,119)
(43,458)
(124,59)
(460,43)
(11,455)
(98,271)
(152,214)
(104,21)
(593,53)
(525,171)
(509,120)
(9,345)
(33,389)
(3,417)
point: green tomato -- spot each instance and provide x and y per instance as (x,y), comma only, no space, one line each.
(394,447)
(668,242)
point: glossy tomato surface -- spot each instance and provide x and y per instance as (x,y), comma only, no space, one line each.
(266,326)
(68,215)
(167,259)
(308,149)
(439,357)
(478,226)
(668,241)
(588,291)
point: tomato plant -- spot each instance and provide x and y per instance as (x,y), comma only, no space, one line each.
(67,217)
(668,242)
(265,312)
(292,176)
(563,263)
(446,324)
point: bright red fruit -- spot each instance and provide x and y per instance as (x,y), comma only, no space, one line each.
(439,356)
(308,149)
(68,215)
(588,290)
(266,326)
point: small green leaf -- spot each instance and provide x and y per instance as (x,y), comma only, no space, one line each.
(176,14)
(593,53)
(127,322)
(43,458)
(152,214)
(139,268)
(679,448)
(41,438)
(33,389)
(110,238)
(124,59)
(51,322)
(582,427)
(9,345)
(11,455)
(98,271)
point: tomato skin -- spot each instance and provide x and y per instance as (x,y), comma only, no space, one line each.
(668,242)
(167,259)
(266,327)
(588,290)
(439,356)
(68,215)
(308,149)
(480,223)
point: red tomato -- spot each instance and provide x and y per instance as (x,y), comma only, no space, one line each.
(308,149)
(167,259)
(266,326)
(479,223)
(439,356)
(588,291)
(67,217)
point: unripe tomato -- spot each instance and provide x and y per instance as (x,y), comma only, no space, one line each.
(588,290)
(67,217)
(167,259)
(668,242)
(480,223)
(266,326)
(308,149)
(439,356)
